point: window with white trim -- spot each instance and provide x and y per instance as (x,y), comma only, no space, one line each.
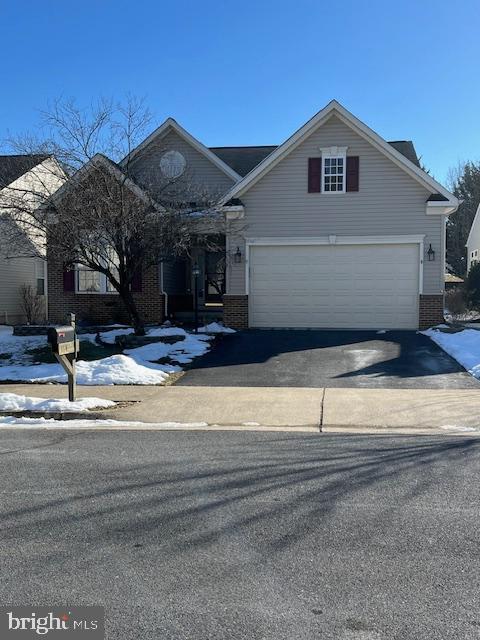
(90,281)
(334,160)
(40,267)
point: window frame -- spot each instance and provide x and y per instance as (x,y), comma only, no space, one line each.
(40,276)
(103,281)
(334,153)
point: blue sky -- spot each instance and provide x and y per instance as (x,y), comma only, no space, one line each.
(253,72)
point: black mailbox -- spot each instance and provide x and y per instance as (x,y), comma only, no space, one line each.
(63,340)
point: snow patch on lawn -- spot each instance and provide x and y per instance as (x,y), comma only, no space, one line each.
(182,352)
(138,366)
(17,346)
(118,369)
(464,346)
(14,402)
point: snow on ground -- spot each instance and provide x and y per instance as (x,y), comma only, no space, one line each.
(9,422)
(136,366)
(182,352)
(453,427)
(215,327)
(118,369)
(16,347)
(14,402)
(468,316)
(464,346)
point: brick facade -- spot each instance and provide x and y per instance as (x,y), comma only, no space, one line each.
(235,311)
(102,308)
(430,310)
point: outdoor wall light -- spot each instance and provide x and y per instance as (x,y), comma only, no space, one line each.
(237,256)
(431,253)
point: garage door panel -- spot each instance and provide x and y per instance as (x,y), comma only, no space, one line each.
(344,286)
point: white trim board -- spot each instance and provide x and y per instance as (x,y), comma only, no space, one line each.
(335,108)
(336,240)
(171,124)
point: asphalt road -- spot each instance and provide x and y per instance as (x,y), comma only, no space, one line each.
(228,535)
(315,358)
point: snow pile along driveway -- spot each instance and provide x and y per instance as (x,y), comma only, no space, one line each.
(464,346)
(14,402)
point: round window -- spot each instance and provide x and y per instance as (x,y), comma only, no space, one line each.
(172,164)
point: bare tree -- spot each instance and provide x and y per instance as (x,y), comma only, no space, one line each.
(103,218)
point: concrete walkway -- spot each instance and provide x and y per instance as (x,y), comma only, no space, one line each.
(290,407)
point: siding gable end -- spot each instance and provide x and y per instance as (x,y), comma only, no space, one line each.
(145,166)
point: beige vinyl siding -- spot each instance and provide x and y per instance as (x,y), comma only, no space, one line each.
(13,273)
(200,170)
(389,202)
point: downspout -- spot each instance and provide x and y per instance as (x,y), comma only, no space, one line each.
(164,293)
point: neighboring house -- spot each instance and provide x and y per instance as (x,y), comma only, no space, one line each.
(334,228)
(452,281)
(23,261)
(473,241)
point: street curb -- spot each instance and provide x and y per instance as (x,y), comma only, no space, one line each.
(155,427)
(323,431)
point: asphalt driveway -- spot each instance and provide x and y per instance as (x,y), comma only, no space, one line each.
(314,358)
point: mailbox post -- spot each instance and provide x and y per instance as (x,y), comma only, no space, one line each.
(65,347)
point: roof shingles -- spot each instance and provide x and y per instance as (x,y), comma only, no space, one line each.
(14,166)
(244,159)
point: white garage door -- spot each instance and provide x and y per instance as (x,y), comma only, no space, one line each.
(335,286)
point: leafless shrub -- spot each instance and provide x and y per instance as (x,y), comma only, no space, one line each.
(32,304)
(456,302)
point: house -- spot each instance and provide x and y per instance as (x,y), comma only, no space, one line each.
(473,241)
(334,228)
(452,281)
(22,177)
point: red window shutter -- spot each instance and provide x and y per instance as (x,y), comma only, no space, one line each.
(69,279)
(136,285)
(314,175)
(353,166)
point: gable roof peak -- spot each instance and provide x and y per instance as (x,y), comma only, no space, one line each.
(389,150)
(164,128)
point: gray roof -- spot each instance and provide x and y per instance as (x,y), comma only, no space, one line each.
(437,197)
(406,148)
(244,159)
(12,167)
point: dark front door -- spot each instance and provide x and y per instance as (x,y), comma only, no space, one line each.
(214,276)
